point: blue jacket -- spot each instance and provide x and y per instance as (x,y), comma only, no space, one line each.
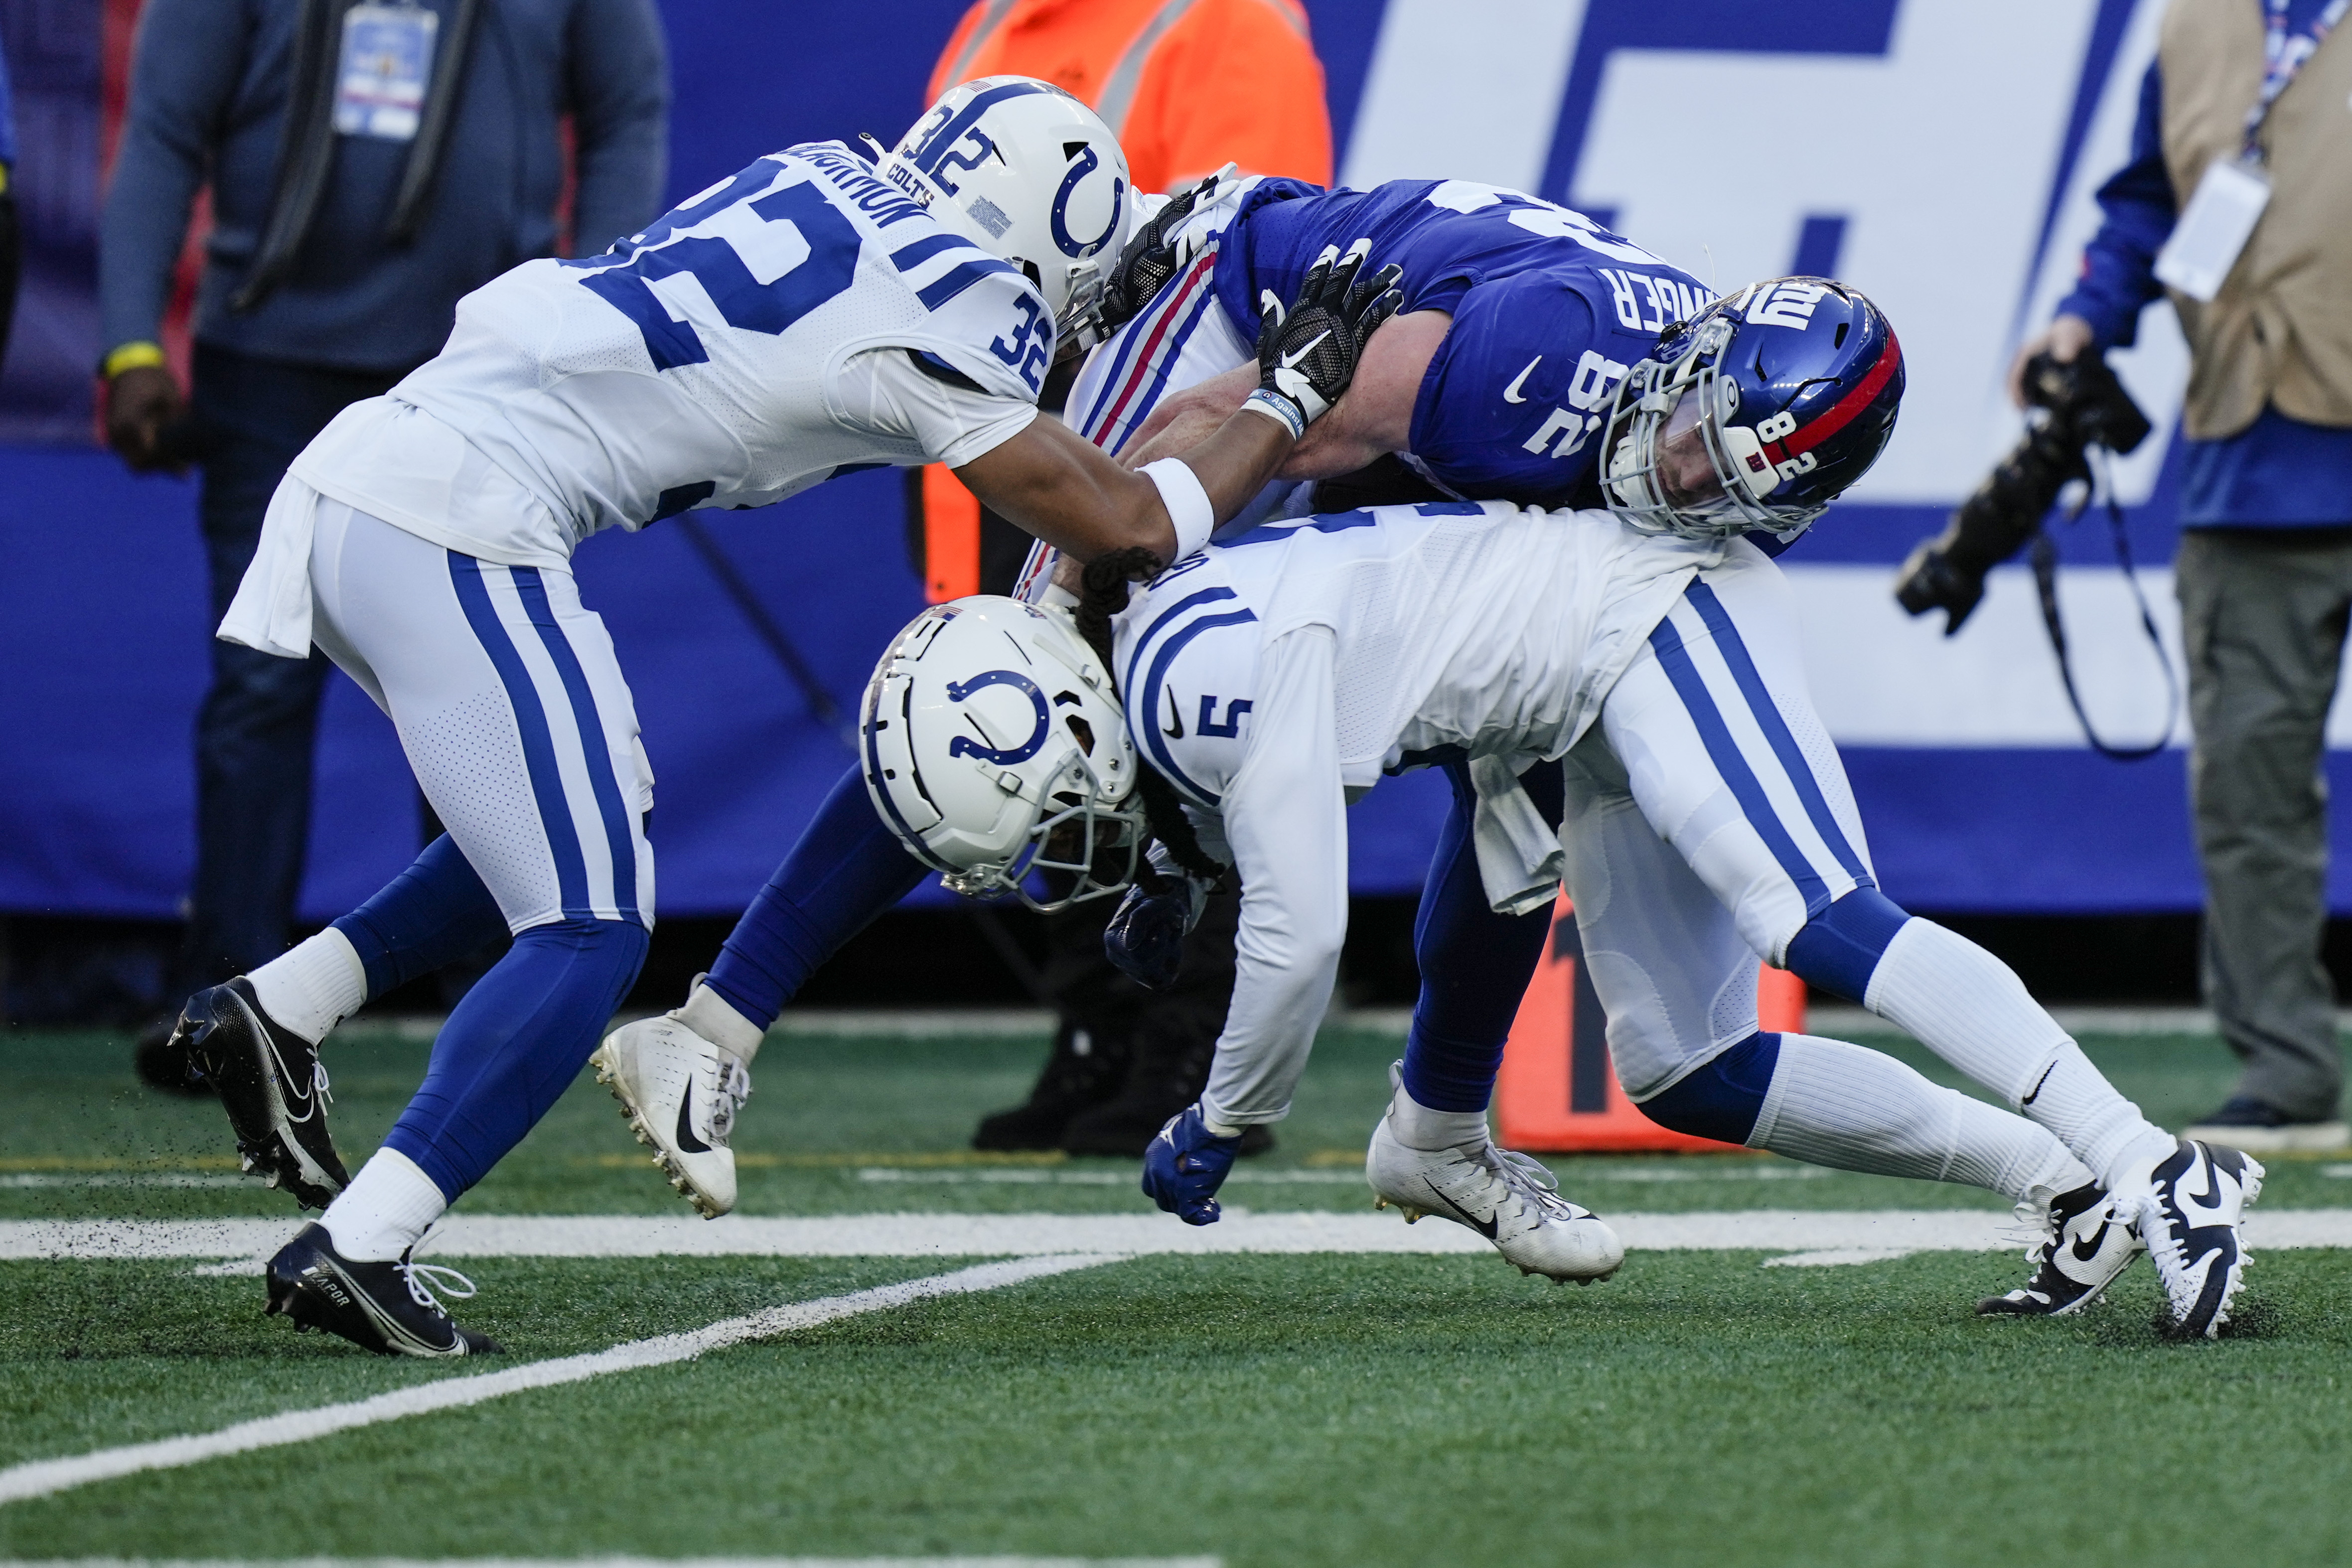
(2277,471)
(208,96)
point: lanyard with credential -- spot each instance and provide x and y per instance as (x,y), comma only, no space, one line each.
(2212,230)
(2284,57)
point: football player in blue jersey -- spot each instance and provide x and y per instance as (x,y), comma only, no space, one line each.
(817,313)
(1694,812)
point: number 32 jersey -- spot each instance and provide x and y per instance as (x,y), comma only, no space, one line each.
(799,321)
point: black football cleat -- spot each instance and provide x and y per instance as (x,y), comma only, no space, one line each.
(161,1058)
(2080,1246)
(272,1086)
(388,1308)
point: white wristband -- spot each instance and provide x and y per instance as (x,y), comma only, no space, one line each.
(1187,502)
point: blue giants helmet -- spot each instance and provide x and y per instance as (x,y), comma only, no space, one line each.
(1755,414)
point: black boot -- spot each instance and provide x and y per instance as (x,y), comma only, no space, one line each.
(1173,1044)
(1085,1069)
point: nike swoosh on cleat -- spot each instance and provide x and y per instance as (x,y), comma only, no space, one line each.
(1511,393)
(685,1138)
(2085,1248)
(1485,1227)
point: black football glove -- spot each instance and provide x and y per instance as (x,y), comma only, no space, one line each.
(1152,257)
(1306,355)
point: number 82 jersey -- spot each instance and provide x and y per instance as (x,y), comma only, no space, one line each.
(726,356)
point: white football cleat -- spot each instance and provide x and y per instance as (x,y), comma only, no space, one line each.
(2189,1207)
(1506,1198)
(680,1093)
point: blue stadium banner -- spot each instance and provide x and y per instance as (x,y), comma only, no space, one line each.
(1940,154)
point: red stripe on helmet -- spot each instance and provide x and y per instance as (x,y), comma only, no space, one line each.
(1843,412)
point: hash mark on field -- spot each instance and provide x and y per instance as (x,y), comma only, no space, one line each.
(44,1477)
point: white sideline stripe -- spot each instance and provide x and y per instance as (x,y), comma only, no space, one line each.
(43,1477)
(946,1236)
(617,1563)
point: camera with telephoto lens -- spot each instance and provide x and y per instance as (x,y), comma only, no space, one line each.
(2079,406)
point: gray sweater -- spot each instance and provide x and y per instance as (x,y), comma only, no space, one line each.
(208,96)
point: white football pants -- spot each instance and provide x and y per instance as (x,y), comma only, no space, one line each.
(510,706)
(1708,818)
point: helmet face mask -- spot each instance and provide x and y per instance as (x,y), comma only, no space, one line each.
(1755,414)
(1029,174)
(994,747)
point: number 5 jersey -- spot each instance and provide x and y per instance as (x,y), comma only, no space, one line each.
(802,319)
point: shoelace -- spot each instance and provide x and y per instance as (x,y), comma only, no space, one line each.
(1527,1179)
(731,1089)
(420,1278)
(2036,1226)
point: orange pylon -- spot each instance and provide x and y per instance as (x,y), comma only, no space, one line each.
(1558,1092)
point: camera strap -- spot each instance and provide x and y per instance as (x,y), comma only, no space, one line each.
(2045,581)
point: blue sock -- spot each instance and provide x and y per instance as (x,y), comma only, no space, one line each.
(845,868)
(432,914)
(514,1045)
(1474,964)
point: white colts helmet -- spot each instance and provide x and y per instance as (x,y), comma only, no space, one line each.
(1026,171)
(993,745)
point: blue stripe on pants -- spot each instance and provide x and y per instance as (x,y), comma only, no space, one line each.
(1675,660)
(1776,729)
(593,746)
(538,744)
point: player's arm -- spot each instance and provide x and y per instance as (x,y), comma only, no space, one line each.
(1284,822)
(1059,486)
(1064,491)
(1374,418)
(183,72)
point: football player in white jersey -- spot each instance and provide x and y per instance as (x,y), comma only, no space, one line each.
(1705,822)
(818,312)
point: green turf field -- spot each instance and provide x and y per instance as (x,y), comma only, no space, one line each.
(1328,1409)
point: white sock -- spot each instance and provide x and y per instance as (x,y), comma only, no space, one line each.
(2075,1100)
(709,1015)
(388,1206)
(313,986)
(1832,1103)
(1971,1010)
(1418,1127)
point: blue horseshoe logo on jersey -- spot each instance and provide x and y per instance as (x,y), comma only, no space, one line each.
(1086,164)
(964,746)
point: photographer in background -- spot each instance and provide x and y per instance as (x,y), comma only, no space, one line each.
(368,164)
(2248,96)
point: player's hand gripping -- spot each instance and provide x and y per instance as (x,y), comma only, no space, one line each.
(1306,355)
(1153,257)
(1185,1165)
(1145,940)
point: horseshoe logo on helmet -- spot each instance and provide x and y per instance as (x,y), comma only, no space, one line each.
(1086,164)
(964,746)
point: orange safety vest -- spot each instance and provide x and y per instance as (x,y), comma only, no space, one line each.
(1187,86)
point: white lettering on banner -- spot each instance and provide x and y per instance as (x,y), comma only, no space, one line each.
(1939,155)
(1880,677)
(1463,88)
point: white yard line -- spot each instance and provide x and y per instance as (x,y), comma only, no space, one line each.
(44,1477)
(622,1562)
(944,1236)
